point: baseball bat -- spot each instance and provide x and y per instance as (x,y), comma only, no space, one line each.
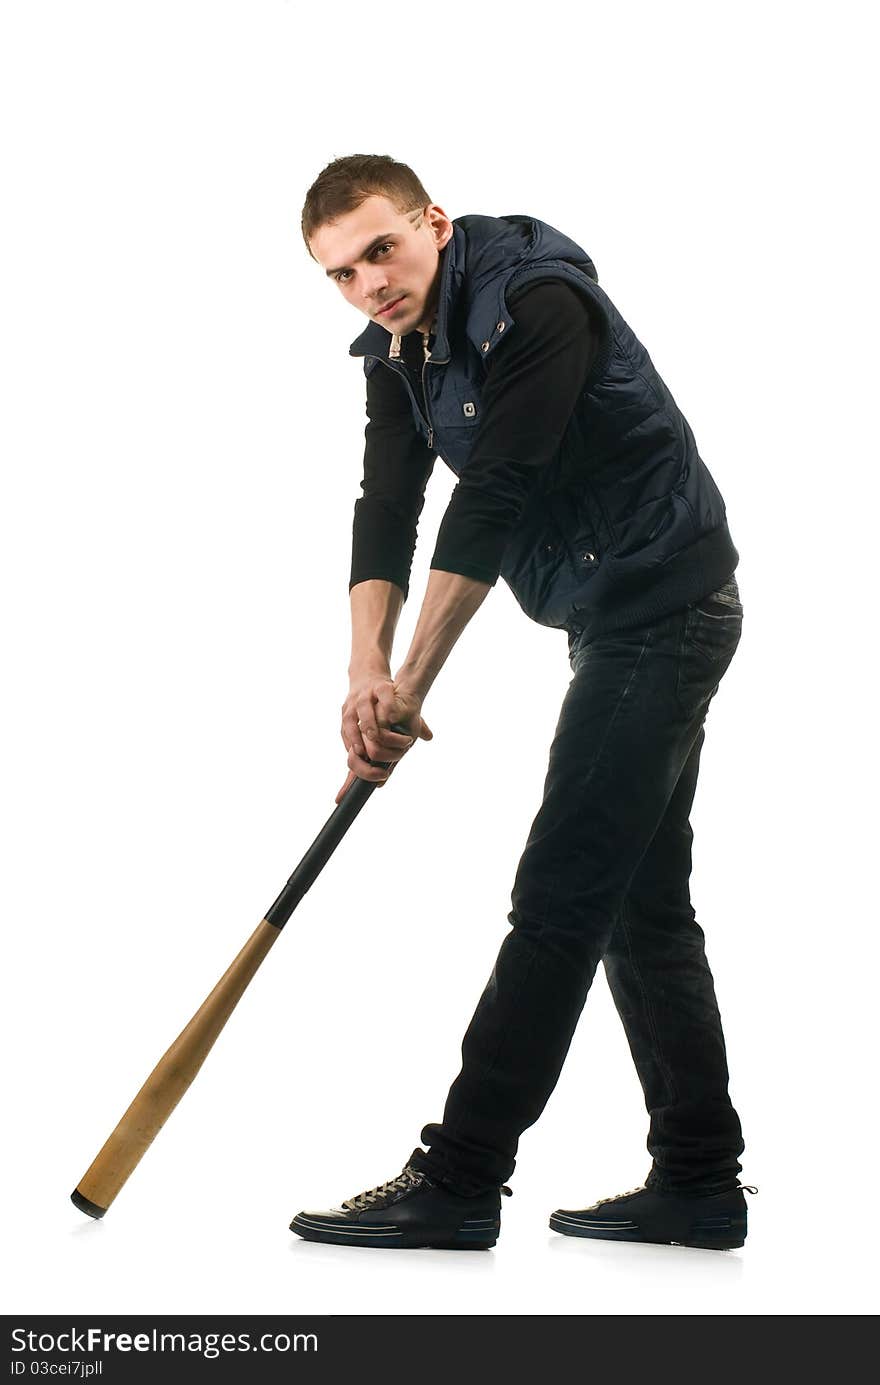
(175,1071)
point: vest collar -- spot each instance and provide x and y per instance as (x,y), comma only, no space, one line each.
(489,252)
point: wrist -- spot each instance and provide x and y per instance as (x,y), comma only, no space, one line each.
(359,669)
(413,681)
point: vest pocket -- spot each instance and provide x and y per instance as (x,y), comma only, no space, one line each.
(455,413)
(463,409)
(585,555)
(577,535)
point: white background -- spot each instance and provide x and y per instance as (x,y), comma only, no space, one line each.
(182,442)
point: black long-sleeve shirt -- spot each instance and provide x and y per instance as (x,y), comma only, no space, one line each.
(532,383)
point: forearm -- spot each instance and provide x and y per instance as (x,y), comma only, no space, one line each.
(375,610)
(450,602)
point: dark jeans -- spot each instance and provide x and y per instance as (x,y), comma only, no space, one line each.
(604,876)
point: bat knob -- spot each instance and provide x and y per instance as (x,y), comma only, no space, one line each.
(91,1209)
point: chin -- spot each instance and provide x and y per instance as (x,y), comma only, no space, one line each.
(409,318)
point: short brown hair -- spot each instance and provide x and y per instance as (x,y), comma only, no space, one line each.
(347,182)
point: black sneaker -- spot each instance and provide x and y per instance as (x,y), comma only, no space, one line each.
(409,1210)
(717,1221)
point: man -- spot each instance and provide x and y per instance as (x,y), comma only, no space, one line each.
(491,344)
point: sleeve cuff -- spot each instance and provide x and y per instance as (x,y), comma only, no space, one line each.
(465,569)
(380,577)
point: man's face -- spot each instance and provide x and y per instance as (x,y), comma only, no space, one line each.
(385,262)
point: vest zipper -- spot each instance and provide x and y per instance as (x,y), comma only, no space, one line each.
(425,394)
(428,419)
(403,372)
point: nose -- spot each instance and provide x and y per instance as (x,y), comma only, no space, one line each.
(374,280)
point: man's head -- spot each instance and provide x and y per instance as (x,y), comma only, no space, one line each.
(372,227)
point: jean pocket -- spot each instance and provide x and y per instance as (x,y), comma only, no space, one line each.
(722,601)
(711,632)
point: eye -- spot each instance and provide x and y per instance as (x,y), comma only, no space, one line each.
(386,245)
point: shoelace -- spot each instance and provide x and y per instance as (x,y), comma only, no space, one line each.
(745,1187)
(639,1189)
(409,1178)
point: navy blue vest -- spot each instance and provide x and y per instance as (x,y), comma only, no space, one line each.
(626,524)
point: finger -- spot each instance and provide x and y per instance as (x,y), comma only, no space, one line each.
(425,732)
(351,734)
(384,755)
(366,719)
(379,737)
(387,705)
(384,781)
(364,769)
(388,745)
(345,788)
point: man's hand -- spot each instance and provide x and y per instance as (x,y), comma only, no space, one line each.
(373,705)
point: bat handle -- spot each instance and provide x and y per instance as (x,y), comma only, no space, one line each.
(362,788)
(324,845)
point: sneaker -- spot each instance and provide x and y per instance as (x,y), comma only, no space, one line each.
(716,1221)
(410,1210)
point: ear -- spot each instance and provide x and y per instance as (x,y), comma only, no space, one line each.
(441,225)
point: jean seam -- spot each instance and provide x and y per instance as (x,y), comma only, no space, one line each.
(635,668)
(497,1054)
(649,1013)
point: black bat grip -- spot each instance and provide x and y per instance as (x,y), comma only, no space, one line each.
(322,848)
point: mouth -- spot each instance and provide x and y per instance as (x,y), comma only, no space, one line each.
(389,307)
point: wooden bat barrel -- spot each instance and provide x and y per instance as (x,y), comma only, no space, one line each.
(174,1072)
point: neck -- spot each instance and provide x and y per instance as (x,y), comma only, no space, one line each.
(426,326)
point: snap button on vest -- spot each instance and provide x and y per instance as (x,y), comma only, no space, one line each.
(501,326)
(588,557)
(485,346)
(469,410)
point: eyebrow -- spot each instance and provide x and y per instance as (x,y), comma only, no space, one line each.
(378,240)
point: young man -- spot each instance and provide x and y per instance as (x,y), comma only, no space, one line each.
(491,344)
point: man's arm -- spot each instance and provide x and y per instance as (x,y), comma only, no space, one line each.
(375,611)
(450,601)
(376,701)
(397,466)
(532,385)
(531,390)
